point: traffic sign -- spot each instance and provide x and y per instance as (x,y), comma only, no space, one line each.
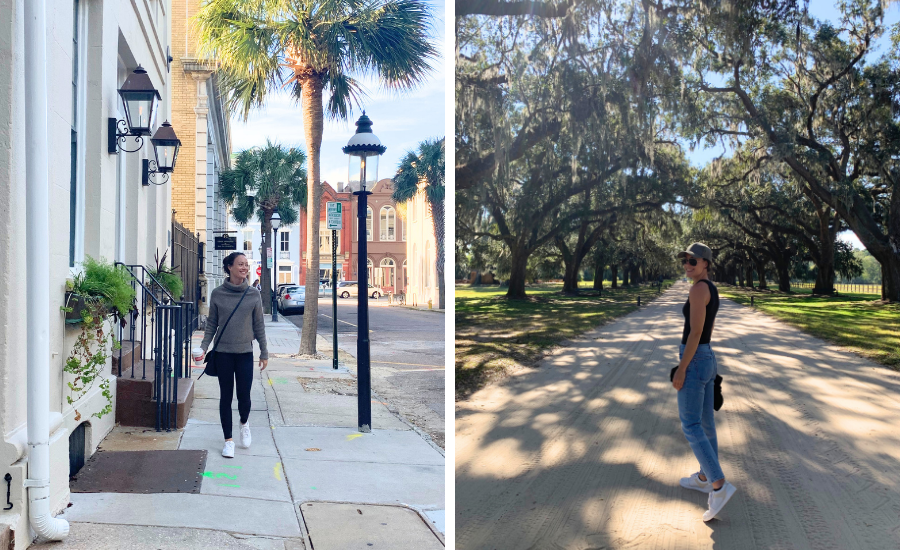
(333,215)
(259,271)
(270,259)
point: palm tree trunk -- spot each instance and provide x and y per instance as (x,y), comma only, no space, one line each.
(313,118)
(437,216)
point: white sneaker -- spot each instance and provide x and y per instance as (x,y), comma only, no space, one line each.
(245,435)
(718,500)
(694,482)
(228,451)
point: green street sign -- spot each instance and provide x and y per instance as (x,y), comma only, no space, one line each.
(333,215)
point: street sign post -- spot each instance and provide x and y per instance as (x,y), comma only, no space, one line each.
(333,222)
(333,215)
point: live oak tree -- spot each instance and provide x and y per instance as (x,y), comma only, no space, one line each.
(317,47)
(810,95)
(279,176)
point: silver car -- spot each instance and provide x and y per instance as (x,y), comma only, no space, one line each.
(292,300)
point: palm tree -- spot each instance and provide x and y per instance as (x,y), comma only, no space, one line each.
(315,46)
(279,177)
(427,168)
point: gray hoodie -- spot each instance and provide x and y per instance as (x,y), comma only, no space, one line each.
(248,322)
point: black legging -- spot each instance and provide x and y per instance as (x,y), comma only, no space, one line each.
(231,367)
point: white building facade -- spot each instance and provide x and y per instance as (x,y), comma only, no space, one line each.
(97,207)
(421,253)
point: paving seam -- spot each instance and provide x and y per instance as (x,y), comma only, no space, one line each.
(229,533)
(531,476)
(301,521)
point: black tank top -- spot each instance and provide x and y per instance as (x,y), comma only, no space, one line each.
(711,309)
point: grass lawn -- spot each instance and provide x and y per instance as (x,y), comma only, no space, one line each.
(860,322)
(494,334)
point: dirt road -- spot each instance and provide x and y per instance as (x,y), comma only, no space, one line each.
(585,452)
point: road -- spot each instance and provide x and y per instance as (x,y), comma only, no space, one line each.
(407,354)
(586,450)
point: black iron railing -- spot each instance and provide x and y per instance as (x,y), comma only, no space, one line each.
(168,325)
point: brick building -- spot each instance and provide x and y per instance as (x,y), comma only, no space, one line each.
(345,236)
(387,238)
(205,133)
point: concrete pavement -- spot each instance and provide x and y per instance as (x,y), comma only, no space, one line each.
(586,450)
(306,470)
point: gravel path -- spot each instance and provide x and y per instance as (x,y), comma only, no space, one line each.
(585,451)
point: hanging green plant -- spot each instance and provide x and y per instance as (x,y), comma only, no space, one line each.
(167,276)
(99,297)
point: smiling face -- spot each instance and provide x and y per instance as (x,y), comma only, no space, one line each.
(695,272)
(239,270)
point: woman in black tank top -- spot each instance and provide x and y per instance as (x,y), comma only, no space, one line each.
(695,380)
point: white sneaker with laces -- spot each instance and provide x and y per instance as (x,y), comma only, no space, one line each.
(718,500)
(694,482)
(245,435)
(228,451)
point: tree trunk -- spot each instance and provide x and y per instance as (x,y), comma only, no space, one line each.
(761,273)
(437,215)
(739,270)
(625,271)
(313,118)
(570,277)
(614,275)
(598,276)
(519,261)
(750,274)
(782,268)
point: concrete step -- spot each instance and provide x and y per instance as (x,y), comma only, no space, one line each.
(137,387)
(134,410)
(130,351)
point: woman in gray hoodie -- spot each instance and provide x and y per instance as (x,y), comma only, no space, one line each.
(234,359)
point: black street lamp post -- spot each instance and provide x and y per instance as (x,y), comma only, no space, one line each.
(362,145)
(276,223)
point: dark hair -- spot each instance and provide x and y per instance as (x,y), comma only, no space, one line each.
(229,261)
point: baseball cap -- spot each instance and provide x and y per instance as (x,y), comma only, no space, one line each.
(697,250)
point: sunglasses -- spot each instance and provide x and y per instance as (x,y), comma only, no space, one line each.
(692,261)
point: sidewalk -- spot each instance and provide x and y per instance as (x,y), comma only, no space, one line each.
(309,476)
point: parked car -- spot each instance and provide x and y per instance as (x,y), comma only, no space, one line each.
(346,289)
(292,300)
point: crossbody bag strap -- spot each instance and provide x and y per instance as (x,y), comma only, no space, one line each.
(216,343)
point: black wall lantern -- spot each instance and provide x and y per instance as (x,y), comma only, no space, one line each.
(165,149)
(140,99)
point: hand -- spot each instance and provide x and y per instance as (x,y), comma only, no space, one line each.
(263,363)
(678,380)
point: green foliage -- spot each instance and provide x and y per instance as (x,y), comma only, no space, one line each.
(871,269)
(257,45)
(88,357)
(426,164)
(105,284)
(278,174)
(167,277)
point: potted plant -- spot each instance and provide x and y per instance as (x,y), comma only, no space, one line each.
(99,296)
(167,276)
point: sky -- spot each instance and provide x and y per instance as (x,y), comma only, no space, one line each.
(400,121)
(820,10)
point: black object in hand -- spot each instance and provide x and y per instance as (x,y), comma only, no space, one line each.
(718,400)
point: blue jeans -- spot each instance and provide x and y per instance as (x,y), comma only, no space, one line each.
(695,409)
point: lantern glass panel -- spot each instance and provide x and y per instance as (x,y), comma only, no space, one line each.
(139,109)
(354,170)
(165,157)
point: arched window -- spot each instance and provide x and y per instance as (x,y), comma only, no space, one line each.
(387,273)
(370,271)
(388,224)
(369,215)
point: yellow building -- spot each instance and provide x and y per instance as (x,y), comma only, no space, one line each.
(205,133)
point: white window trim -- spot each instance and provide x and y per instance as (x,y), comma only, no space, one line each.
(391,213)
(81,130)
(370,232)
